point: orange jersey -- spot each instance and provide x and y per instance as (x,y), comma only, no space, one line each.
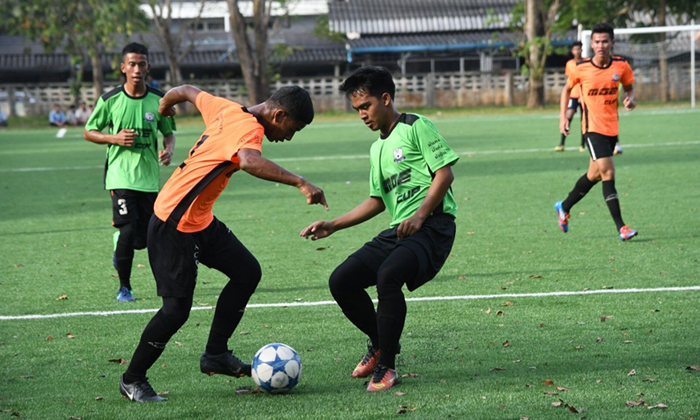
(187,198)
(570,66)
(599,93)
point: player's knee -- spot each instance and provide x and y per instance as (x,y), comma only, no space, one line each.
(389,282)
(127,234)
(175,313)
(340,282)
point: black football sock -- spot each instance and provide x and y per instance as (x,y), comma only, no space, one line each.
(398,269)
(124,255)
(583,185)
(229,311)
(563,139)
(610,195)
(164,324)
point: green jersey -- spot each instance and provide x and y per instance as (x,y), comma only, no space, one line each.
(134,167)
(404,165)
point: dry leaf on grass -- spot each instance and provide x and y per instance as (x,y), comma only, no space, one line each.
(120,361)
(62,297)
(632,372)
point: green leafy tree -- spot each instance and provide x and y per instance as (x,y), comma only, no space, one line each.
(79,27)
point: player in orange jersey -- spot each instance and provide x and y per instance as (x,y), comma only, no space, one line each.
(575,94)
(183,231)
(599,78)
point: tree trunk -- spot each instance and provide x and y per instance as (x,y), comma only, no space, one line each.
(534,29)
(253,62)
(97,73)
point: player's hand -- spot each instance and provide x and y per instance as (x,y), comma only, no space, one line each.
(164,157)
(165,109)
(318,230)
(564,125)
(629,103)
(125,137)
(314,195)
(409,226)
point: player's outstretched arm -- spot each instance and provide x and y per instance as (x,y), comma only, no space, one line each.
(563,104)
(365,211)
(253,163)
(177,95)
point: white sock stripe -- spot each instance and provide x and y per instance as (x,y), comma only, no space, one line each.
(330,302)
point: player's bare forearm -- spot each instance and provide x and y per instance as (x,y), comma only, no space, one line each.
(629,102)
(253,163)
(563,105)
(437,191)
(169,142)
(366,210)
(125,137)
(177,95)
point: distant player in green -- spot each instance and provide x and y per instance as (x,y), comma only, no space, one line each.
(410,175)
(130,112)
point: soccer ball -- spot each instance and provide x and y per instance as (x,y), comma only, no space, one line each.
(276,368)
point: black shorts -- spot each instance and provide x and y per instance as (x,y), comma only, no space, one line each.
(174,255)
(129,206)
(431,244)
(599,145)
(574,103)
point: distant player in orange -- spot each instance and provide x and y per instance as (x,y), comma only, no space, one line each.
(599,78)
(575,95)
(183,231)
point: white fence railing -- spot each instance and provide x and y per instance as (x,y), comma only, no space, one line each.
(443,90)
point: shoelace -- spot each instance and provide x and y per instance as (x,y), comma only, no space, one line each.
(379,373)
(370,353)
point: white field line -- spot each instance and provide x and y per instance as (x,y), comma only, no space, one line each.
(353,157)
(330,302)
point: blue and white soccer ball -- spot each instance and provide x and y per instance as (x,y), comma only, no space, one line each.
(276,368)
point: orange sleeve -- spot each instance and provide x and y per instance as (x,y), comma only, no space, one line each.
(251,140)
(210,106)
(627,77)
(574,78)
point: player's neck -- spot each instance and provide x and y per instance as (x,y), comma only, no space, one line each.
(391,121)
(602,60)
(135,89)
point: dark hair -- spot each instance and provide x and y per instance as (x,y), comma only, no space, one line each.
(135,48)
(603,28)
(295,101)
(373,80)
(576,44)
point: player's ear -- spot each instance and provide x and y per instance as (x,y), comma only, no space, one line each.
(278,115)
(386,99)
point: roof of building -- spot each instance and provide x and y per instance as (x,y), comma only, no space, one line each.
(418,16)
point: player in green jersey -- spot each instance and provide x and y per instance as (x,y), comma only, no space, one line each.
(410,175)
(130,112)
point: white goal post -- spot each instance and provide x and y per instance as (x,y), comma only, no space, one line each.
(690,33)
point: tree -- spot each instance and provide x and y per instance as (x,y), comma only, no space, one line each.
(171,42)
(77,26)
(536,20)
(253,59)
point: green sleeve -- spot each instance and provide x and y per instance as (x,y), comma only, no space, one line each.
(100,117)
(375,189)
(435,150)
